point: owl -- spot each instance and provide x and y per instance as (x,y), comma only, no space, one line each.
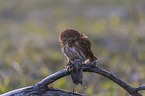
(76,45)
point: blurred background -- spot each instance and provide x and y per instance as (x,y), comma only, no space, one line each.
(30,50)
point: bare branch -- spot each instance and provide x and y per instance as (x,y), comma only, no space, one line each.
(131,90)
(87,68)
(41,87)
(48,80)
(140,88)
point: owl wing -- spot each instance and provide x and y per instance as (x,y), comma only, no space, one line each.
(85,45)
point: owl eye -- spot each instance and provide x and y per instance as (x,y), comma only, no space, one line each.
(66,36)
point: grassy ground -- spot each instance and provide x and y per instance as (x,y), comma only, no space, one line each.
(30,51)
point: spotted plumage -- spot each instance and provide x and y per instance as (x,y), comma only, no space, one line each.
(76,45)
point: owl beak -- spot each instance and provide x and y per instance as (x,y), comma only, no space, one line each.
(70,40)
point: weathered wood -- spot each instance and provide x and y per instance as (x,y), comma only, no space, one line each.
(41,88)
(131,90)
(40,91)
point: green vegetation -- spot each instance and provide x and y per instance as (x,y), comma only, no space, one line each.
(30,51)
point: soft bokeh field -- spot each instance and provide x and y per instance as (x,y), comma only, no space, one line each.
(30,51)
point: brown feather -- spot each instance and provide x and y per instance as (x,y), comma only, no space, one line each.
(76,45)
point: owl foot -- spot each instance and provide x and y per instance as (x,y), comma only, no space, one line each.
(68,67)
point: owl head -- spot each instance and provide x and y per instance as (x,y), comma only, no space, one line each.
(69,35)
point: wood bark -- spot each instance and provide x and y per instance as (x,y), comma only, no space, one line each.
(42,88)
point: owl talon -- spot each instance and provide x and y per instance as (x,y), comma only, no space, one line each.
(68,68)
(69,63)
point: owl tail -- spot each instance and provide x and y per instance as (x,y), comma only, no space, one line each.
(91,56)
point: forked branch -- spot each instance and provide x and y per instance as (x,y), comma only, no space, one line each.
(86,68)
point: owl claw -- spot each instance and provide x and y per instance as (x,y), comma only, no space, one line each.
(68,67)
(69,63)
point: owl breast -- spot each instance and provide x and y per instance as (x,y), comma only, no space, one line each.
(73,53)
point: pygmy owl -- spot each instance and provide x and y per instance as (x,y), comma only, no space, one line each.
(76,45)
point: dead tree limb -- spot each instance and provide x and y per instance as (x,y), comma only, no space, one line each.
(41,87)
(131,90)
